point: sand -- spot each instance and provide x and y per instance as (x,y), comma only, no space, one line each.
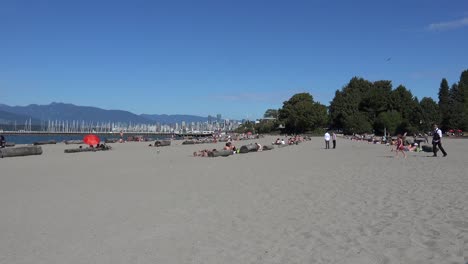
(299,204)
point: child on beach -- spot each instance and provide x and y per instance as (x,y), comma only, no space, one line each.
(399,146)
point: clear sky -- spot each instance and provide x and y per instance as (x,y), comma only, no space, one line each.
(233,57)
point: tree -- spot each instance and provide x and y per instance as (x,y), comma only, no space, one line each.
(390,121)
(463,87)
(376,100)
(430,113)
(346,102)
(357,123)
(271,113)
(444,104)
(245,127)
(300,113)
(456,111)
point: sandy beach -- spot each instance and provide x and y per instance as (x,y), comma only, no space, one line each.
(298,204)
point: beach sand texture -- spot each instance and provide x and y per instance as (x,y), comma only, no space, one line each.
(298,204)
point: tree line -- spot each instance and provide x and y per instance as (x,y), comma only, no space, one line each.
(362,106)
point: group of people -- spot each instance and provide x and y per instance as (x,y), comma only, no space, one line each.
(327,138)
(291,141)
(2,141)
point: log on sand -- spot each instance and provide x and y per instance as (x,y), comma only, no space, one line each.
(20,151)
(10,144)
(220,153)
(266,147)
(68,142)
(248,148)
(75,150)
(162,143)
(111,140)
(426,148)
(188,142)
(45,142)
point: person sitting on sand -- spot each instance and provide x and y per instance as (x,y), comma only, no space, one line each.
(227,146)
(259,147)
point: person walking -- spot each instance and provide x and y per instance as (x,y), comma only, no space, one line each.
(334,139)
(437,141)
(327,140)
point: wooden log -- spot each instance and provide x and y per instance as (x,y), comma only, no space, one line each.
(162,143)
(75,150)
(220,153)
(248,148)
(111,140)
(45,142)
(266,147)
(426,148)
(188,142)
(20,151)
(10,144)
(68,142)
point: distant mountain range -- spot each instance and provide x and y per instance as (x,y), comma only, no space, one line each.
(63,112)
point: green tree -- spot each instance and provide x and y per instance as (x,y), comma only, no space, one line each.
(271,113)
(300,113)
(456,111)
(357,123)
(245,127)
(345,105)
(463,87)
(444,104)
(390,121)
(376,100)
(430,113)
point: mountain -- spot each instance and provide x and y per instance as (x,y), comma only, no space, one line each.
(171,119)
(69,112)
(62,111)
(7,118)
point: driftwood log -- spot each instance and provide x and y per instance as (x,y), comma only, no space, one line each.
(68,142)
(266,147)
(111,140)
(162,143)
(426,148)
(248,148)
(20,151)
(10,144)
(220,153)
(45,142)
(75,150)
(188,142)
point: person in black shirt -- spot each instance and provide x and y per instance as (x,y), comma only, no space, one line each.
(437,141)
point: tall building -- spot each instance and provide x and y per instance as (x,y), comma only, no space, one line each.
(210,119)
(218,118)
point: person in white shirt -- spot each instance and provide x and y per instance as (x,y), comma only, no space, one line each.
(327,140)
(437,141)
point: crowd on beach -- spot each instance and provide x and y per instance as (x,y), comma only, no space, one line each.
(402,143)
(399,144)
(257,147)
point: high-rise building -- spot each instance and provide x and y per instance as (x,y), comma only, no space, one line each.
(218,118)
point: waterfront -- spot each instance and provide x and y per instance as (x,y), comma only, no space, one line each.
(30,139)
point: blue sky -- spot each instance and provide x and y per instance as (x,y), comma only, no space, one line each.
(237,58)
